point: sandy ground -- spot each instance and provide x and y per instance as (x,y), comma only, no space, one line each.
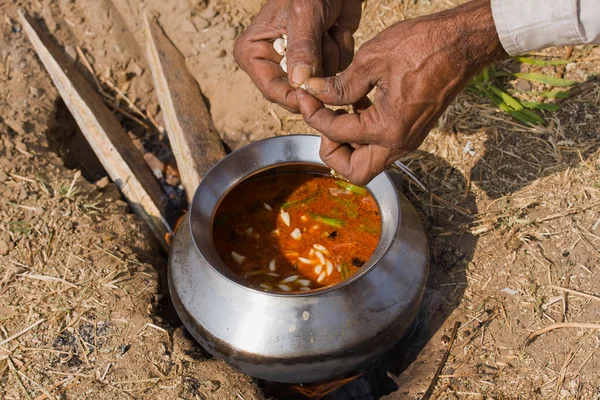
(507,225)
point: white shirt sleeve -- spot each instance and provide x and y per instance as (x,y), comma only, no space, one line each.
(526,25)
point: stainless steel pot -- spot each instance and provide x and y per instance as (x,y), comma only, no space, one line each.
(306,336)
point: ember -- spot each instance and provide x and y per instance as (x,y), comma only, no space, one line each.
(320,390)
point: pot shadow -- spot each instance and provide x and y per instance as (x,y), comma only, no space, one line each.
(451,249)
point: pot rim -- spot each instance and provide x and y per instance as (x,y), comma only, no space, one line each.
(381,250)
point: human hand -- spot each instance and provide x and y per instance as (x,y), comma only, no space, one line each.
(314,28)
(418,67)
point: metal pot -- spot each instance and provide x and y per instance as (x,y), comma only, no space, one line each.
(306,336)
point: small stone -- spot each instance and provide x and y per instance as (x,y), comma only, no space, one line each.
(229,33)
(102,183)
(208,13)
(3,248)
(188,27)
(71,52)
(200,23)
(19,145)
(117,48)
(36,91)
(134,68)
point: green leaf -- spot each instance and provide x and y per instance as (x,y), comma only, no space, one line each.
(535,61)
(486,74)
(541,106)
(547,79)
(506,98)
(521,116)
(555,94)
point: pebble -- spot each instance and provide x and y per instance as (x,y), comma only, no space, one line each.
(188,27)
(200,23)
(229,32)
(36,91)
(208,13)
(71,52)
(3,248)
(102,183)
(19,145)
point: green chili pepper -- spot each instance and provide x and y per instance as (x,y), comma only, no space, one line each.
(353,188)
(336,223)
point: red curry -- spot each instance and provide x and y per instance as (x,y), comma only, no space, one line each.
(296,231)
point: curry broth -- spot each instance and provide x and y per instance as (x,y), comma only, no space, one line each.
(296,231)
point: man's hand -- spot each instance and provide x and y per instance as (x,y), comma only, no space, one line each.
(320,43)
(418,67)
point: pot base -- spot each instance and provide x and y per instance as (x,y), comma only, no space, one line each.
(275,343)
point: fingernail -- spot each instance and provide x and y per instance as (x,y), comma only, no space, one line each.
(300,73)
(317,84)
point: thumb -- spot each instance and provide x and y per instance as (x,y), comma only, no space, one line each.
(305,28)
(349,87)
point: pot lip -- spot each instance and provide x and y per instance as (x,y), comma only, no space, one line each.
(312,293)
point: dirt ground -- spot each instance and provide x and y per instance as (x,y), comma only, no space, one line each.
(83,312)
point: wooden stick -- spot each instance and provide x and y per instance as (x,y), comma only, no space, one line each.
(533,335)
(442,363)
(575,292)
(115,150)
(194,140)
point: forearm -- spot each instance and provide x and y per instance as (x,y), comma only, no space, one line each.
(526,25)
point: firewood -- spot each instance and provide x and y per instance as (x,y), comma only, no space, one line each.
(194,140)
(115,150)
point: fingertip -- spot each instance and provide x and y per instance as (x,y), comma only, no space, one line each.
(300,74)
(316,85)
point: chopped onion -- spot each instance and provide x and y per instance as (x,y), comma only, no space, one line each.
(320,256)
(266,286)
(272,265)
(290,279)
(304,260)
(318,269)
(285,288)
(238,258)
(321,277)
(249,231)
(329,267)
(304,282)
(285,217)
(268,207)
(296,234)
(322,249)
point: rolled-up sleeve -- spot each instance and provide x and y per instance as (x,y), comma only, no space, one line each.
(526,25)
